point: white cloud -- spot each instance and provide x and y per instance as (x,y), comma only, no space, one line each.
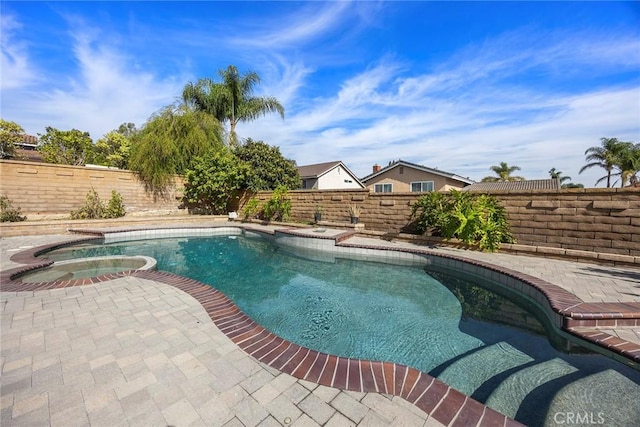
(295,29)
(17,69)
(104,90)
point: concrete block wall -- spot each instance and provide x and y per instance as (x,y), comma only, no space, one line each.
(46,191)
(594,220)
(603,220)
(380,212)
(335,203)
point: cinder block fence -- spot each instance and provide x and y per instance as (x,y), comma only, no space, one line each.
(605,220)
(45,191)
(596,220)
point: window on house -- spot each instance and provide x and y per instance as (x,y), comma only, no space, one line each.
(422,186)
(401,170)
(383,188)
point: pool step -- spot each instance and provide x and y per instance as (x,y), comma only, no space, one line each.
(508,397)
(493,360)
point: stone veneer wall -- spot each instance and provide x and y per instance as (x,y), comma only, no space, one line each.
(45,191)
(603,220)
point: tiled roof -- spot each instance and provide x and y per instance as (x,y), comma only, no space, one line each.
(526,185)
(420,168)
(314,171)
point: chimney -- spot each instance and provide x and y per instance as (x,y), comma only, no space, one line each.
(376,168)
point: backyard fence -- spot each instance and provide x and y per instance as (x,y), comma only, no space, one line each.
(602,220)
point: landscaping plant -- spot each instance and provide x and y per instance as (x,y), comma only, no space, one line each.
(474,219)
(278,207)
(115,207)
(251,209)
(8,212)
(214,181)
(94,208)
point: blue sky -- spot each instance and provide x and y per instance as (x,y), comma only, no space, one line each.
(459,86)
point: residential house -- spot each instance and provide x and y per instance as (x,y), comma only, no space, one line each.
(403,177)
(26,150)
(328,176)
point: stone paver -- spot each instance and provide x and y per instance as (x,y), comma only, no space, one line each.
(136,352)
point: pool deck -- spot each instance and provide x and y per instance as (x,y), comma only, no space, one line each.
(136,350)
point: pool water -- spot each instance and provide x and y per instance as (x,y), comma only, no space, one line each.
(467,336)
(86,268)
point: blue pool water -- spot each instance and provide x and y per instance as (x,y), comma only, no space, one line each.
(435,321)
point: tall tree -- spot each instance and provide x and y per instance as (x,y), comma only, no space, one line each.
(11,134)
(504,172)
(113,150)
(68,147)
(604,156)
(556,174)
(231,100)
(628,163)
(169,142)
(127,129)
(269,168)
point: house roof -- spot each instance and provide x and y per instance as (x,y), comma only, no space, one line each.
(526,185)
(319,169)
(420,168)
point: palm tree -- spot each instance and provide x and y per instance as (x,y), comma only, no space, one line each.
(504,172)
(555,174)
(231,100)
(605,156)
(628,163)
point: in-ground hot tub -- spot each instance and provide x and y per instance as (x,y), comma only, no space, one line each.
(84,268)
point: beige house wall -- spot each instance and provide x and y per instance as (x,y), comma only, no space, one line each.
(44,190)
(402,182)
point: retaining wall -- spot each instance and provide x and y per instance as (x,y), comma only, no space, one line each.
(46,191)
(603,220)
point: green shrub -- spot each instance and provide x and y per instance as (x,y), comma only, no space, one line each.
(473,219)
(430,212)
(251,209)
(278,207)
(8,212)
(115,207)
(94,208)
(214,181)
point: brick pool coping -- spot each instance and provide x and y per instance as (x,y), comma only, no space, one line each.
(429,394)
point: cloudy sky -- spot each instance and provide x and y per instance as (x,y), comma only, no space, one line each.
(459,86)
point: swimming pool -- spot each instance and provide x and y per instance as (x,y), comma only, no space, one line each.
(431,319)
